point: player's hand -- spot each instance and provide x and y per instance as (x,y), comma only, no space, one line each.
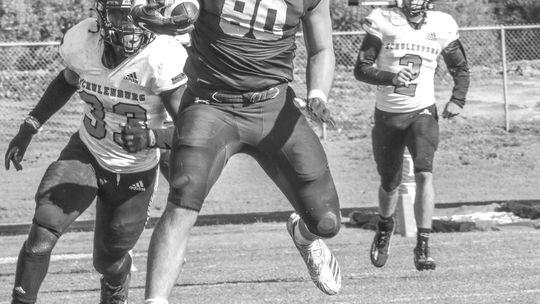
(403,77)
(17,147)
(149,18)
(315,108)
(135,136)
(451,109)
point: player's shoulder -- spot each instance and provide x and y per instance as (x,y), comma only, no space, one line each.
(441,19)
(165,48)
(81,34)
(80,39)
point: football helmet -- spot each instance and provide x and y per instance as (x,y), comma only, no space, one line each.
(118,29)
(415,10)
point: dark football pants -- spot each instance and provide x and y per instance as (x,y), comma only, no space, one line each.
(275,133)
(418,131)
(74,181)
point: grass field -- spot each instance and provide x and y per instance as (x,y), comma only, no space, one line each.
(230,264)
(477,161)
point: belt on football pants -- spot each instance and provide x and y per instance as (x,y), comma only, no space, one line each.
(246,97)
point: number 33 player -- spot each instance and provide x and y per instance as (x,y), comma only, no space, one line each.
(404,42)
(117,165)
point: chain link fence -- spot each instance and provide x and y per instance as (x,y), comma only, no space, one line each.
(504,61)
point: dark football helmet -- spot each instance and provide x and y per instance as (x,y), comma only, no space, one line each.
(415,10)
(117,28)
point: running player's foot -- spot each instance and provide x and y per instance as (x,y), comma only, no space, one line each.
(322,266)
(380,248)
(114,294)
(422,260)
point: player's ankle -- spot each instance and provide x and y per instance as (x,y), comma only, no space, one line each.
(155,301)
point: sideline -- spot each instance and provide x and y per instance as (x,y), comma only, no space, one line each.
(241,218)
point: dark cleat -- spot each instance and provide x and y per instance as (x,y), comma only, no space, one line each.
(380,248)
(114,294)
(422,260)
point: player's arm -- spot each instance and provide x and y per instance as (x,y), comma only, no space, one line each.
(456,62)
(137,137)
(317,29)
(364,69)
(53,99)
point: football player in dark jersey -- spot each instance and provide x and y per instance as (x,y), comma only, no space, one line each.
(114,165)
(238,100)
(399,54)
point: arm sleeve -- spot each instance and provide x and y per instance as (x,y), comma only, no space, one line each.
(456,62)
(364,69)
(55,97)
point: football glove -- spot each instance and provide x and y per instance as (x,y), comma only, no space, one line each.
(316,110)
(451,109)
(18,145)
(136,137)
(148,17)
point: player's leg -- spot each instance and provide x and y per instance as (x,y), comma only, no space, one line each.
(197,159)
(422,140)
(388,141)
(67,188)
(292,155)
(121,214)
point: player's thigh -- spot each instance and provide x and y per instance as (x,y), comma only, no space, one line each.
(388,143)
(122,211)
(423,140)
(67,189)
(204,140)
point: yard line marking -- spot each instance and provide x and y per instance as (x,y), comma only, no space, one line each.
(463,296)
(61,257)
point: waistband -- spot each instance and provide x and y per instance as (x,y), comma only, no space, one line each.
(238,97)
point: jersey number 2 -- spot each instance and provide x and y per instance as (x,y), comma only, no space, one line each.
(414,62)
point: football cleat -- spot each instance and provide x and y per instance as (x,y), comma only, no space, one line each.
(114,294)
(322,266)
(422,260)
(380,248)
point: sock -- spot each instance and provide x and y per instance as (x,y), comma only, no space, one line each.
(299,237)
(155,301)
(422,236)
(386,223)
(30,273)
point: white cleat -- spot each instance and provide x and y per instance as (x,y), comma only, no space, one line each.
(322,265)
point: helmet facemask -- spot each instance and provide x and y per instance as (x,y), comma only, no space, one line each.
(415,11)
(117,28)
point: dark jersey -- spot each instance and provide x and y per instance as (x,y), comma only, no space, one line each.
(245,45)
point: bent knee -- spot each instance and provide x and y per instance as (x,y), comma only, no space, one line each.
(327,226)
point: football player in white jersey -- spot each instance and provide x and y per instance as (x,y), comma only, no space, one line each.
(399,55)
(113,158)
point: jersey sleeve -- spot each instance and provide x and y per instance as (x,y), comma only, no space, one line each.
(76,41)
(167,64)
(449,28)
(371,24)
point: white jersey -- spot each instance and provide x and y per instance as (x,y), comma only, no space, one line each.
(134,96)
(404,46)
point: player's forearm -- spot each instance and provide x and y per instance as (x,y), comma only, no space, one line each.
(320,71)
(456,62)
(162,138)
(55,97)
(364,69)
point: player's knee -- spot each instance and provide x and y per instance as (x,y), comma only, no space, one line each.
(328,225)
(180,181)
(390,185)
(41,241)
(423,177)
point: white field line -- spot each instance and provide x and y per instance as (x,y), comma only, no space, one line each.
(59,257)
